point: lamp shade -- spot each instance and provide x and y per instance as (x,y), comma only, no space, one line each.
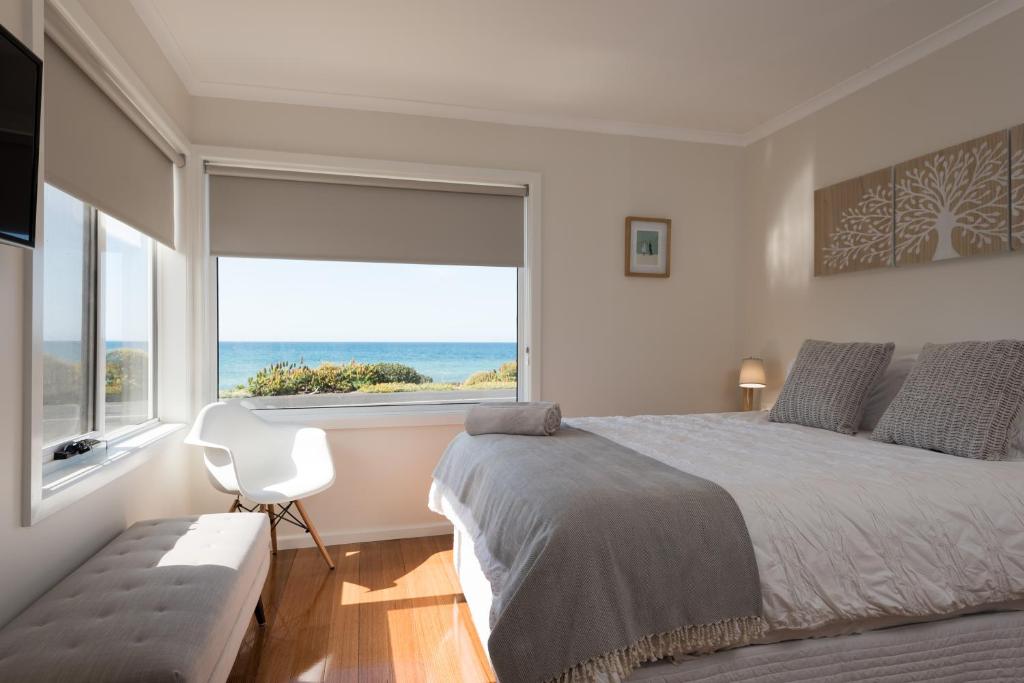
(752,373)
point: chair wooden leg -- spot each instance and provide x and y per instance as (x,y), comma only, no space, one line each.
(273,529)
(314,534)
(261,617)
(234,505)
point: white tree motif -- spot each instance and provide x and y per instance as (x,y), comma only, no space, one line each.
(1017,199)
(954,194)
(864,234)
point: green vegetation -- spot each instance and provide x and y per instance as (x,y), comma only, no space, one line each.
(504,374)
(127,374)
(286,379)
(62,381)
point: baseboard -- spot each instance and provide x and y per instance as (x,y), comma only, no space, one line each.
(304,540)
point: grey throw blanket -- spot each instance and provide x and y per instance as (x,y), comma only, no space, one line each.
(614,559)
(536,418)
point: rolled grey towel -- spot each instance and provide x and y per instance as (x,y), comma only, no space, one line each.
(539,418)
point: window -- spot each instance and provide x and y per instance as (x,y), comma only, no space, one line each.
(331,333)
(98,360)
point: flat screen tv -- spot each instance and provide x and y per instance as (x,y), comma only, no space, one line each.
(21,80)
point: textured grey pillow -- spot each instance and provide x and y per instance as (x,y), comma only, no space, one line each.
(885,390)
(958,399)
(829,384)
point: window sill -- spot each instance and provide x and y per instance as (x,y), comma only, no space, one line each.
(72,480)
(368,417)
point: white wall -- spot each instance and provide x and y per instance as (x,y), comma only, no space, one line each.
(970,88)
(611,344)
(34,558)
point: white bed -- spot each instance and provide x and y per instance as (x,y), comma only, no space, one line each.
(850,536)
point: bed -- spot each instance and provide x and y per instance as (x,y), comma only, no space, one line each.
(913,561)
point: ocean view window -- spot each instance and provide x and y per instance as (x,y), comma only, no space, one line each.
(98,323)
(328,333)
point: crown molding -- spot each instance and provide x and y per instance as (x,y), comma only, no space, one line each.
(961,28)
(966,25)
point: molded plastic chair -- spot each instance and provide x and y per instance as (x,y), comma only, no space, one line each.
(272,464)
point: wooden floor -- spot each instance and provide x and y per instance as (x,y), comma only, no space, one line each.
(391,611)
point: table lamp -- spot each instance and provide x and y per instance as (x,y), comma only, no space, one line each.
(751,378)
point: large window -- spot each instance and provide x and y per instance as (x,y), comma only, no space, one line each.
(328,333)
(97,323)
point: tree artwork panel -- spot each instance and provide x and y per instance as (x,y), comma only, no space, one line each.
(1017,188)
(853,224)
(953,202)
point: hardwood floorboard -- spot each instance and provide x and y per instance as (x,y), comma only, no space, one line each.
(343,645)
(392,612)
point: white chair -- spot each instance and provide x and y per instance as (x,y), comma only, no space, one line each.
(274,465)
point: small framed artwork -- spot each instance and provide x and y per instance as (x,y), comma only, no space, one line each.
(648,246)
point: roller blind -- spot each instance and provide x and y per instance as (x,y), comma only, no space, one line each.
(345,218)
(95,152)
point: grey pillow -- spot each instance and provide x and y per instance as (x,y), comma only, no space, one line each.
(958,399)
(829,384)
(885,390)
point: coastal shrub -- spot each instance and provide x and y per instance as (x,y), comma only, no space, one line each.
(277,379)
(61,381)
(481,377)
(385,373)
(127,373)
(506,373)
(284,379)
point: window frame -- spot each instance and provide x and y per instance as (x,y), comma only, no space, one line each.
(95,342)
(335,417)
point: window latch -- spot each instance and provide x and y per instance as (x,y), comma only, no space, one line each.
(75,448)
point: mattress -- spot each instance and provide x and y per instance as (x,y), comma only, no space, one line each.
(850,535)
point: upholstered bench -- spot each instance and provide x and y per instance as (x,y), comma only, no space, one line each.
(167,600)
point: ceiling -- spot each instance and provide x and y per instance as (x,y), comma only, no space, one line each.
(715,70)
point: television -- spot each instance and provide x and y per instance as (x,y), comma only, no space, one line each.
(21,91)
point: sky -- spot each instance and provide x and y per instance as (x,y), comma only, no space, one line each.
(280,300)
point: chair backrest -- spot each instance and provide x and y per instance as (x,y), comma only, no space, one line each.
(224,429)
(244,452)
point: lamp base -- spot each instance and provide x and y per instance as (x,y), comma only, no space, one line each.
(748,399)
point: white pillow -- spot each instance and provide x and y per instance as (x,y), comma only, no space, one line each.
(885,390)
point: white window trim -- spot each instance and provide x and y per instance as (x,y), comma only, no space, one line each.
(130,448)
(353,417)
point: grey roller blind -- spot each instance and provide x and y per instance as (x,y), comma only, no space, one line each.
(96,153)
(344,218)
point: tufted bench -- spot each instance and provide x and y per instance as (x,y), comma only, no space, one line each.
(167,600)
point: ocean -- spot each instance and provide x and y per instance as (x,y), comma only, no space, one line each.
(441,361)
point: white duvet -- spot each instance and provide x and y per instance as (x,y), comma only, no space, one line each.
(849,533)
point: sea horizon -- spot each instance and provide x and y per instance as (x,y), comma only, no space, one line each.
(239,360)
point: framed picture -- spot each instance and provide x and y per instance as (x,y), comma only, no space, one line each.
(648,246)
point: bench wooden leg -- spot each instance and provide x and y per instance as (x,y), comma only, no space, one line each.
(261,617)
(314,534)
(273,529)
